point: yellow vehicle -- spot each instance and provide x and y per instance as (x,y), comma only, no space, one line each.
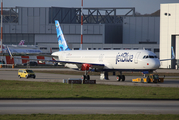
(26,73)
(154,78)
(150,78)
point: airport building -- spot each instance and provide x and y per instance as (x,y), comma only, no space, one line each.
(103,28)
(169,34)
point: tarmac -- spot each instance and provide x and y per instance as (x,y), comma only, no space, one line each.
(11,74)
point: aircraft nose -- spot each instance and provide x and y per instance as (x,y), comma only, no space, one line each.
(156,64)
(153,64)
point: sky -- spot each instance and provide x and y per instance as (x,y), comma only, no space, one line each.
(141,6)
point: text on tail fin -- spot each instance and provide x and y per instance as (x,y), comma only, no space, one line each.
(61,40)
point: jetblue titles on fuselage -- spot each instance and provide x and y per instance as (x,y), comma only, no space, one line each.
(124,57)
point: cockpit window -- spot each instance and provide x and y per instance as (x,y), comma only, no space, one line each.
(149,56)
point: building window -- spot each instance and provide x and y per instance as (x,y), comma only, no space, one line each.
(149,49)
(43,48)
(55,48)
(156,50)
(76,48)
(126,48)
(107,48)
(116,48)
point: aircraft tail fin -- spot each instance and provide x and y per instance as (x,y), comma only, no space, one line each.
(173,55)
(22,42)
(9,51)
(61,40)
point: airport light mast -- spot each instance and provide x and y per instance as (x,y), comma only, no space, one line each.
(1,26)
(81,45)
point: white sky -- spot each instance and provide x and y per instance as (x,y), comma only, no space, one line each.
(141,6)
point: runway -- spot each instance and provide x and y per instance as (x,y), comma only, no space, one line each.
(88,107)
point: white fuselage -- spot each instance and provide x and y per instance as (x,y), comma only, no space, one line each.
(123,60)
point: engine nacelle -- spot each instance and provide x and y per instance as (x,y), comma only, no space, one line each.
(85,67)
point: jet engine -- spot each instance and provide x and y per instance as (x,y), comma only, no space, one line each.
(85,67)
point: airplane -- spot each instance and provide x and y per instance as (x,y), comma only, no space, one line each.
(20,48)
(4,47)
(21,42)
(103,61)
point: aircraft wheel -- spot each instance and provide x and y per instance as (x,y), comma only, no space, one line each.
(19,76)
(84,77)
(148,80)
(26,77)
(123,77)
(118,78)
(88,77)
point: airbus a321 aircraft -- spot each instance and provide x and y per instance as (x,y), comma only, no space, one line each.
(104,61)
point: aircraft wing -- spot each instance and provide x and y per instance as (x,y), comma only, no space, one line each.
(79,64)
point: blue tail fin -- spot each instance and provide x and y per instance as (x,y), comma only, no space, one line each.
(173,54)
(61,40)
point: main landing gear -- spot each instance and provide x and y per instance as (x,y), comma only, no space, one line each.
(104,76)
(86,77)
(120,77)
(86,68)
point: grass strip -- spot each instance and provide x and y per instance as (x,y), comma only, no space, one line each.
(52,90)
(90,117)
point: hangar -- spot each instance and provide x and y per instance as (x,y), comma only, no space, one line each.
(169,34)
(104,28)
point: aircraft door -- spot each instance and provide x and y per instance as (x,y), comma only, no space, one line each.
(136,58)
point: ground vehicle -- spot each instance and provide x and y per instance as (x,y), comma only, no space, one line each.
(31,63)
(150,78)
(26,73)
(154,78)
